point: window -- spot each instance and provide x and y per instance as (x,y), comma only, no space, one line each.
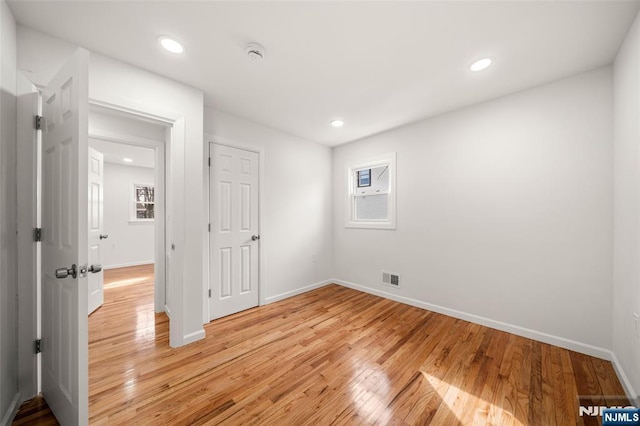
(371,193)
(143,205)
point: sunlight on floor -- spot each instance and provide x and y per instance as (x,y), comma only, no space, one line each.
(369,393)
(457,399)
(132,281)
(145,323)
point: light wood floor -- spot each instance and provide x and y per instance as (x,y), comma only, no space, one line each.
(330,356)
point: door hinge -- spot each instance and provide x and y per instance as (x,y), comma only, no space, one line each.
(209,161)
(38,346)
(209,227)
(209,292)
(39,122)
(37,235)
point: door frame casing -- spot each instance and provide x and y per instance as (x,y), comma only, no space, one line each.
(174,185)
(220,140)
(28,169)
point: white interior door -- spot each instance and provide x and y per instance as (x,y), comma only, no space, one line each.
(96,228)
(234,237)
(64,245)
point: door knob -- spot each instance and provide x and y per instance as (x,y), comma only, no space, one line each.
(104,236)
(255,237)
(95,268)
(65,272)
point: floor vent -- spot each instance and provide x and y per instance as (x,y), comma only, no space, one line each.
(389,278)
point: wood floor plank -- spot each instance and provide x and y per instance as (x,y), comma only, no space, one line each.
(329,356)
(486,382)
(565,409)
(587,385)
(571,395)
(536,409)
(548,400)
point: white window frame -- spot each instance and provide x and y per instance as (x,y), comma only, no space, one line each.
(132,211)
(351,176)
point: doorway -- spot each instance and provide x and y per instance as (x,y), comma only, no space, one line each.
(133,150)
(173,112)
(132,243)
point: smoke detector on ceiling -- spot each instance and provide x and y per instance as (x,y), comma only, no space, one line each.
(255,51)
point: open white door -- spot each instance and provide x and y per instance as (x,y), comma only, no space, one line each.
(96,226)
(64,242)
(235,239)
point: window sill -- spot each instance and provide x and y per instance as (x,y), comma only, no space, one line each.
(370,225)
(141,222)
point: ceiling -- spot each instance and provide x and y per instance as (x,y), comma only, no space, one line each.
(115,152)
(376,65)
(118,135)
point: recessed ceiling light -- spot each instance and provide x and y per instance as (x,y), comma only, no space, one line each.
(127,160)
(480,65)
(170,44)
(337,123)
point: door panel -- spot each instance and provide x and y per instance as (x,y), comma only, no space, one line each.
(64,220)
(96,227)
(234,183)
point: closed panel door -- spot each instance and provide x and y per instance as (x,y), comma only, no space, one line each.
(96,225)
(64,242)
(234,237)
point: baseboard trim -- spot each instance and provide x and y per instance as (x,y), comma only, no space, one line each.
(193,337)
(297,291)
(126,265)
(633,396)
(12,410)
(167,311)
(487,322)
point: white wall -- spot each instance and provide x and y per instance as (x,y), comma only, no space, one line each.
(626,252)
(116,83)
(121,127)
(297,211)
(9,396)
(504,213)
(129,243)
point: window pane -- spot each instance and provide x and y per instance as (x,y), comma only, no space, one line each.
(371,207)
(144,211)
(144,194)
(380,178)
(364,178)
